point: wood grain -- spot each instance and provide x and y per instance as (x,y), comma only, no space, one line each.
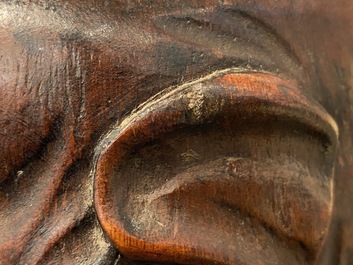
(72,72)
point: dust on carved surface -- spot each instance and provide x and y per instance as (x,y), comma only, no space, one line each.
(230,156)
(251,43)
(71,71)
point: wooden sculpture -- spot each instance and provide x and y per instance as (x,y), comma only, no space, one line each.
(176,132)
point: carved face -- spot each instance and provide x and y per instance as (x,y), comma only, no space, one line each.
(192,132)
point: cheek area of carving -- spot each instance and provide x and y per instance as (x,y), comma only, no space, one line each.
(234,168)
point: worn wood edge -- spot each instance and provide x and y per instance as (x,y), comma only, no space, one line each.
(139,249)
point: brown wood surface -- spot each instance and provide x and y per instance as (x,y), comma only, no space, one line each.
(183,132)
(208,163)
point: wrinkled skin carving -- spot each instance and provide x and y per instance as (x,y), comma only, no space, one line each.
(176,132)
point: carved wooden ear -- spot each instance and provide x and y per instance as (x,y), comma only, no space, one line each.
(234,168)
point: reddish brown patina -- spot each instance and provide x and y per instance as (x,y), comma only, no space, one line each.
(183,132)
(206,163)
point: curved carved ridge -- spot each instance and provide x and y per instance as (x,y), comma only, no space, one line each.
(235,34)
(240,97)
(89,63)
(323,122)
